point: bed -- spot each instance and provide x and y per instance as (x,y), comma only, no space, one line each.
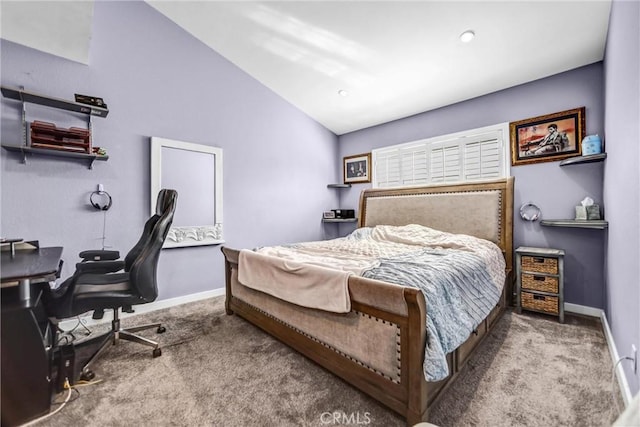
(378,346)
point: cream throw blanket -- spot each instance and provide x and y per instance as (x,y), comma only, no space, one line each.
(315,274)
(302,284)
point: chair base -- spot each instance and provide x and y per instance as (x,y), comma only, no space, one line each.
(115,335)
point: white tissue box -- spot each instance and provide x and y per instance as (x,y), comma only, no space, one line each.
(581,212)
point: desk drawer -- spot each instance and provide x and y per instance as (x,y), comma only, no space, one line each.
(538,264)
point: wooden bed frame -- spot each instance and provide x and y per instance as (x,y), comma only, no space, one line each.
(379,346)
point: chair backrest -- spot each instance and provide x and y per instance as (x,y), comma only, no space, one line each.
(164,198)
(143,258)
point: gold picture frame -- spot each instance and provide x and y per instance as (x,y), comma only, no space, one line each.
(547,138)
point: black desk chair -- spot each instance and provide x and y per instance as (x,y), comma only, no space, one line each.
(95,285)
(108,261)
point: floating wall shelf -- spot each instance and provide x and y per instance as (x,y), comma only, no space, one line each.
(55,153)
(575,223)
(584,159)
(34,98)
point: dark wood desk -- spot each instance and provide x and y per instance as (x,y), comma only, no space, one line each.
(29,266)
(27,334)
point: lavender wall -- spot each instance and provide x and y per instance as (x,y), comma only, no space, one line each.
(161,81)
(622,179)
(554,189)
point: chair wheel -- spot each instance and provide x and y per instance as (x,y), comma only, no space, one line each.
(161,329)
(157,352)
(87,375)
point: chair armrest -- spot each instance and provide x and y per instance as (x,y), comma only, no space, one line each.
(100,266)
(99,255)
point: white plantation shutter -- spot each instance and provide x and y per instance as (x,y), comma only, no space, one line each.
(483,158)
(474,155)
(446,161)
(413,166)
(388,170)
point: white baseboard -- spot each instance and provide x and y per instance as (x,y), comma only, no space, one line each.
(582,309)
(615,357)
(613,351)
(87,320)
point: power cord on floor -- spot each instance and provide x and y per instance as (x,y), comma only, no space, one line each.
(613,382)
(74,396)
(83,383)
(50,414)
(80,323)
(67,399)
(68,336)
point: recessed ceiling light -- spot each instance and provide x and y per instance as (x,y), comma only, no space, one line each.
(343,92)
(467,36)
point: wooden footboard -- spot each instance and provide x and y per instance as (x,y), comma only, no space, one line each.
(378,347)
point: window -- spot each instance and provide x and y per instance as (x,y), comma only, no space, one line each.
(473,155)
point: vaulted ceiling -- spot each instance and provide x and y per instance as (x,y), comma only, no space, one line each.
(353,64)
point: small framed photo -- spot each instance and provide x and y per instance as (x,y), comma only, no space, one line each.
(547,138)
(357,168)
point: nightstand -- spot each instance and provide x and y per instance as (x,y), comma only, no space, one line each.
(540,280)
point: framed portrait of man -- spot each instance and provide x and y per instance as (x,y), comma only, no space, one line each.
(547,138)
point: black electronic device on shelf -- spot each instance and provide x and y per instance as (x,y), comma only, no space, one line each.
(344,213)
(90,100)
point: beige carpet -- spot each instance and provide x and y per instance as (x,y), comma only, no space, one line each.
(218,370)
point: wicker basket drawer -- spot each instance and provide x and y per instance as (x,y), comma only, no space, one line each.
(540,264)
(540,283)
(545,303)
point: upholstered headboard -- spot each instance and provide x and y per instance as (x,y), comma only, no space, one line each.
(483,209)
